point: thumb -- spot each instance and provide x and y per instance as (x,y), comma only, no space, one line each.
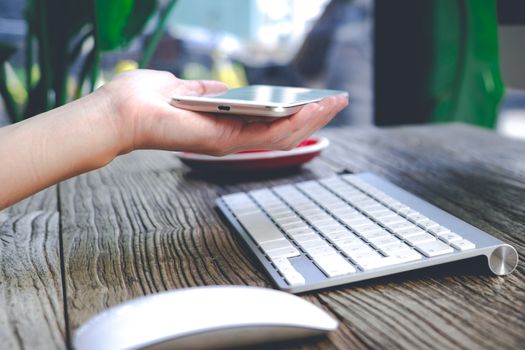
(201,87)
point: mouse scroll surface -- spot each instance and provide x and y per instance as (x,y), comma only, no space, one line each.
(204,317)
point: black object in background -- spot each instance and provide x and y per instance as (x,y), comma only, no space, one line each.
(399,74)
(511,12)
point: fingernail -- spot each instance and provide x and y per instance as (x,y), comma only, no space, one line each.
(325,103)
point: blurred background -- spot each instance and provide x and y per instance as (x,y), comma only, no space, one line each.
(402,62)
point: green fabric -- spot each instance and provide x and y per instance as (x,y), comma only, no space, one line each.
(465,81)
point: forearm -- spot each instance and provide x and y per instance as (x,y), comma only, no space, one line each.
(132,112)
(54,146)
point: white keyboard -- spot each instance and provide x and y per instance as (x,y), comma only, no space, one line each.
(318,234)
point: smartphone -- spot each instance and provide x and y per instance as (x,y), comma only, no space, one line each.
(256,100)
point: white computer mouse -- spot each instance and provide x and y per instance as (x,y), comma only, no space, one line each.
(204,318)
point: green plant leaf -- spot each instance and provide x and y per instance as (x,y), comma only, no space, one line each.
(80,13)
(112,17)
(140,14)
(466,81)
(6,51)
(151,45)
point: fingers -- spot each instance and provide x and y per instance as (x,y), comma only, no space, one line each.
(200,87)
(286,133)
(301,125)
(167,83)
(327,111)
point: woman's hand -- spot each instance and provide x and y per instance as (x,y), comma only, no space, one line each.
(140,102)
(133,111)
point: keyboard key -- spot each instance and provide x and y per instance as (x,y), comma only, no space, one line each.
(396,205)
(237,199)
(384,241)
(293,225)
(463,245)
(380,212)
(371,206)
(281,214)
(351,240)
(276,206)
(356,250)
(307,237)
(324,227)
(428,225)
(418,218)
(383,214)
(243,208)
(316,252)
(338,235)
(440,230)
(410,232)
(357,221)
(405,211)
(394,249)
(363,258)
(277,244)
(285,189)
(311,212)
(349,214)
(314,243)
(288,219)
(300,231)
(292,276)
(400,225)
(330,229)
(334,265)
(421,238)
(402,257)
(434,248)
(364,204)
(260,227)
(305,206)
(407,255)
(287,252)
(345,212)
(390,220)
(364,229)
(451,237)
(376,234)
(318,215)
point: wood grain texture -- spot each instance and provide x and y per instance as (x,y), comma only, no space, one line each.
(31,299)
(143,225)
(473,174)
(146,224)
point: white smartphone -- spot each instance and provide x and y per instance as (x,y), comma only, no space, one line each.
(256,100)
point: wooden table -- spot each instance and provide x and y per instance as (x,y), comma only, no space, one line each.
(146,224)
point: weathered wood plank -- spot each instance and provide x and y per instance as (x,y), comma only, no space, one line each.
(31,300)
(476,176)
(142,225)
(145,224)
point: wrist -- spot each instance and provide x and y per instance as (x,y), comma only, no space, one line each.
(97,128)
(114,115)
(110,116)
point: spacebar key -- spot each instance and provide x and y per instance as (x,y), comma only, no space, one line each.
(260,227)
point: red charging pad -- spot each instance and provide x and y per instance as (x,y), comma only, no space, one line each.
(257,159)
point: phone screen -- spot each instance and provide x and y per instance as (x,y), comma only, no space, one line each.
(255,100)
(275,95)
